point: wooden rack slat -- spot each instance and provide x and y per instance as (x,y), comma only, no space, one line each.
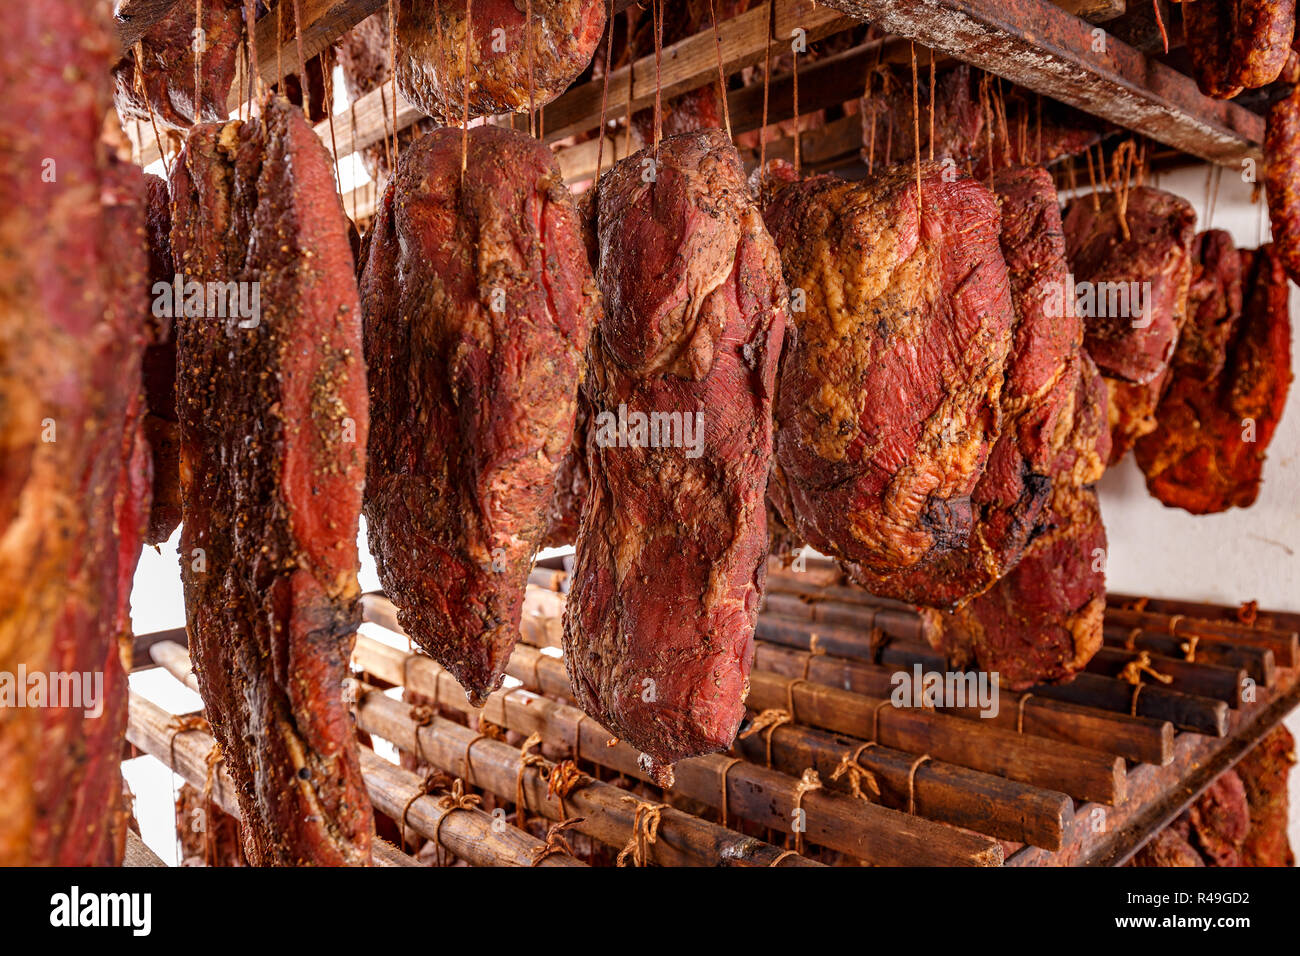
(1198,611)
(1200,679)
(1283,640)
(152,730)
(1045,49)
(867,831)
(1079,771)
(952,794)
(1109,836)
(469,834)
(1140,739)
(603,810)
(1256,661)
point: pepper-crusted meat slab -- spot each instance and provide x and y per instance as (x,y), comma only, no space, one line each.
(670,564)
(479,303)
(273,423)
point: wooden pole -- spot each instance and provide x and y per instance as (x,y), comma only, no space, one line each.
(1283,642)
(1140,739)
(1256,661)
(1203,680)
(605,812)
(469,834)
(899,650)
(869,832)
(1200,611)
(945,792)
(1079,771)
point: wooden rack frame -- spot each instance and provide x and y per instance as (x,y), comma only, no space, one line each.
(1044,46)
(949,788)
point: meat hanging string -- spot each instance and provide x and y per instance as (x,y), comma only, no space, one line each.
(327,77)
(200,42)
(722,77)
(798,127)
(631,64)
(1038,131)
(392,73)
(869,103)
(931,104)
(279,47)
(250,36)
(388,137)
(1092,177)
(242,71)
(604,95)
(916,132)
(304,82)
(464,130)
(1160,24)
(767,76)
(528,55)
(657,22)
(140,90)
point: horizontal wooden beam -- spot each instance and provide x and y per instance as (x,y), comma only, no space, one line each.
(684,66)
(1043,48)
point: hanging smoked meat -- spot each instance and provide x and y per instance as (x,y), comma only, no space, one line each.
(670,565)
(890,398)
(273,423)
(1207,451)
(1264,773)
(1130,255)
(1237,44)
(431,67)
(1038,398)
(479,304)
(160,86)
(1042,621)
(161,427)
(74,471)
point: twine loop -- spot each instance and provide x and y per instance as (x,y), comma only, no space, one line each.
(808,783)
(555,841)
(645,832)
(765,723)
(857,773)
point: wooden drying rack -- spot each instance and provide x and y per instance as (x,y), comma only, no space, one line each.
(1071,775)
(1040,45)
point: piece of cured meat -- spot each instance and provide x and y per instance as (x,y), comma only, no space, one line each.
(74,478)
(273,421)
(1207,452)
(479,304)
(890,397)
(431,51)
(659,622)
(1037,401)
